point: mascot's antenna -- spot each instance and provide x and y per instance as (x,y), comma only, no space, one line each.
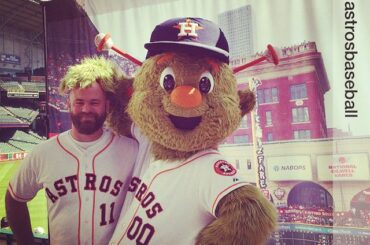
(105,42)
(271,55)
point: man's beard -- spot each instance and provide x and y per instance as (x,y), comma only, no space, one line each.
(90,125)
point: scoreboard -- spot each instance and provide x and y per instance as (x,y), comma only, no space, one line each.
(23,95)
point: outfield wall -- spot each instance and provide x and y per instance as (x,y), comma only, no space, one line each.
(11,156)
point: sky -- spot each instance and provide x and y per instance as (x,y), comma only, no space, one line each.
(281,23)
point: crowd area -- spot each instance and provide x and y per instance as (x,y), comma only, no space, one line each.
(324,216)
(306,215)
(353,218)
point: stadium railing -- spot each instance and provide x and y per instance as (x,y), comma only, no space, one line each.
(6,237)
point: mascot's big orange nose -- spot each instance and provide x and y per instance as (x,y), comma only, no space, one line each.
(186,97)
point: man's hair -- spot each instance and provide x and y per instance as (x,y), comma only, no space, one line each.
(90,70)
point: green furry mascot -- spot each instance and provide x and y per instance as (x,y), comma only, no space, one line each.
(184,103)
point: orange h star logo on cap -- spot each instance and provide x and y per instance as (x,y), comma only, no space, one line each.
(188,28)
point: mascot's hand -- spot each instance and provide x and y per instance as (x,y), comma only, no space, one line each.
(244,217)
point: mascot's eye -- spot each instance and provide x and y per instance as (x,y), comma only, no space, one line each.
(167,80)
(206,82)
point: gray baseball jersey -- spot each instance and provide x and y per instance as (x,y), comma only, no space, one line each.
(172,201)
(85,188)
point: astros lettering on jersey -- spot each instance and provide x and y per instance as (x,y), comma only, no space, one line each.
(85,189)
(164,193)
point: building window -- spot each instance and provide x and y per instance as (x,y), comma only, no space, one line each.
(260,96)
(302,134)
(300,114)
(244,122)
(249,164)
(268,118)
(241,139)
(298,91)
(275,96)
(269,137)
(267,95)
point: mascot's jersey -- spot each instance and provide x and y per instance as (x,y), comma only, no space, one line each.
(173,201)
(85,189)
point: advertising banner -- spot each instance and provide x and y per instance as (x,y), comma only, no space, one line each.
(289,168)
(10,59)
(346,167)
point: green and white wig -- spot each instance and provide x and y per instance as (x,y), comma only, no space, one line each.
(90,70)
(113,82)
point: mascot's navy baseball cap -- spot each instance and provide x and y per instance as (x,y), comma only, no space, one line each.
(192,35)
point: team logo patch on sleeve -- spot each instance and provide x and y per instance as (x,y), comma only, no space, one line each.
(224,168)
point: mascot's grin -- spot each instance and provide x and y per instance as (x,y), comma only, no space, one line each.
(185,123)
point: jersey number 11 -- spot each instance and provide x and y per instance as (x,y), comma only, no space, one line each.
(103,209)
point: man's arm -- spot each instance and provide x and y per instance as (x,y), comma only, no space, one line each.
(19,220)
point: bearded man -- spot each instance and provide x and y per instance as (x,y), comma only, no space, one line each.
(84,171)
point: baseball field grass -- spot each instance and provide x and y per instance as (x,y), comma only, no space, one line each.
(37,207)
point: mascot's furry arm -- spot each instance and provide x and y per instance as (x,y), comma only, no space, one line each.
(231,226)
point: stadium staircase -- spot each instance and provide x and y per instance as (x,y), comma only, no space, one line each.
(24,114)
(7,116)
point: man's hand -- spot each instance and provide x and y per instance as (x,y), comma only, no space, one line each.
(19,220)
